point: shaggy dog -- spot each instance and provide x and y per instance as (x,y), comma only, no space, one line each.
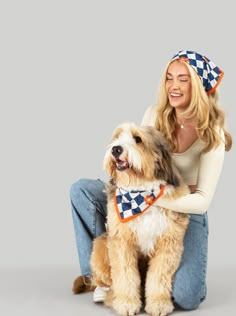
(140,252)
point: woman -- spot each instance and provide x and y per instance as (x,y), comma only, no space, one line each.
(188,115)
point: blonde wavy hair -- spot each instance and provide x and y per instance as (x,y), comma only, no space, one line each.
(202,106)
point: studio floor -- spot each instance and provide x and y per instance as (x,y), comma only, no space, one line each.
(46,291)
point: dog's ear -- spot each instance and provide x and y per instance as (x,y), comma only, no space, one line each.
(164,167)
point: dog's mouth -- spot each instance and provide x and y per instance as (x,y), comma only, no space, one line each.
(121,165)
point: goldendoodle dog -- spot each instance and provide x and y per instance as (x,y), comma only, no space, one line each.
(140,252)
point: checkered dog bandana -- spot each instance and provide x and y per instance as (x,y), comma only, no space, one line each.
(130,204)
(208,72)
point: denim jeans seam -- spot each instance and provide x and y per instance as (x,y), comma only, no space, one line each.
(98,208)
(202,291)
(94,220)
(93,211)
(94,202)
(206,223)
(203,225)
(203,283)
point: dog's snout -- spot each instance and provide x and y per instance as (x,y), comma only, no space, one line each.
(116,151)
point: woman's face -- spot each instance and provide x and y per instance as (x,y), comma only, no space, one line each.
(178,85)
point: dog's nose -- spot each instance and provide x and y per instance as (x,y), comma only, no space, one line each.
(116,151)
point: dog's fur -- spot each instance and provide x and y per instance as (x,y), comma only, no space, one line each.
(140,257)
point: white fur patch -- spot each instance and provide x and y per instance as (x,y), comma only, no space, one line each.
(149,227)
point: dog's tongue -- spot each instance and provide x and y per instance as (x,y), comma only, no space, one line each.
(121,164)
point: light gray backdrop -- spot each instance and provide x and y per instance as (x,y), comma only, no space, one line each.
(70,72)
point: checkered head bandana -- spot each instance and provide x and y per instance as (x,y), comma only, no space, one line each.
(208,72)
(130,204)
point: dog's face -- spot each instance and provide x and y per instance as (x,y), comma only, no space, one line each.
(141,153)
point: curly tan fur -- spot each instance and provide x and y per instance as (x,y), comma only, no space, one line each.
(140,257)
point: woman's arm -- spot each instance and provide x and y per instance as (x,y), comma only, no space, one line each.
(209,172)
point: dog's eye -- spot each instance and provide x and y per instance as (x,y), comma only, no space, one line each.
(137,139)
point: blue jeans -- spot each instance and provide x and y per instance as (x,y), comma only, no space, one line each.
(88,202)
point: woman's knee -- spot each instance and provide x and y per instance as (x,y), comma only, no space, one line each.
(87,189)
(77,187)
(189,298)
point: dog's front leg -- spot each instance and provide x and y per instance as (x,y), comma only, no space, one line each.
(162,267)
(99,262)
(125,276)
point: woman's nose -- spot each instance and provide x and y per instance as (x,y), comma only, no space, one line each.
(175,84)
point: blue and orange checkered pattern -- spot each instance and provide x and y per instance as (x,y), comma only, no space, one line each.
(130,204)
(208,72)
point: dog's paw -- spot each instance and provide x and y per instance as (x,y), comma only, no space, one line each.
(126,306)
(159,307)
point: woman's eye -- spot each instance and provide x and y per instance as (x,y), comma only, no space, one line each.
(137,139)
(167,79)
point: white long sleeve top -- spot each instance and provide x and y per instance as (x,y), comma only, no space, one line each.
(197,168)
